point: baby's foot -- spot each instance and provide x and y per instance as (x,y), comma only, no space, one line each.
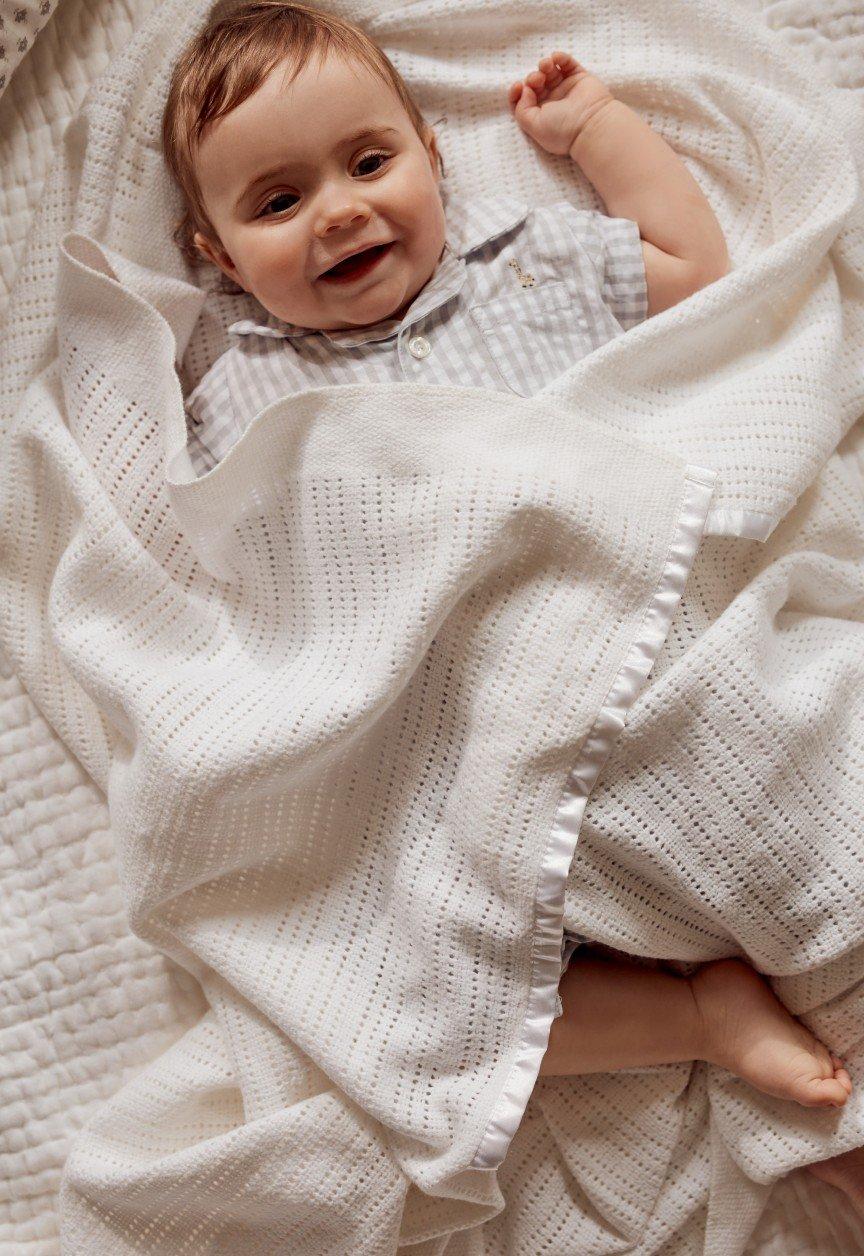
(846,1172)
(749,1031)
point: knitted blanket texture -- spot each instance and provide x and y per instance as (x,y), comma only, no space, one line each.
(370,701)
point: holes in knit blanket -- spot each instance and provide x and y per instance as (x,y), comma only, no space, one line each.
(725,819)
(126,457)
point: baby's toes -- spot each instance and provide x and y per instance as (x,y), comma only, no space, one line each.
(822,1089)
(824,1092)
(841,1074)
(824,1062)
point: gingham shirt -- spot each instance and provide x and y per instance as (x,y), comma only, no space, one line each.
(518,295)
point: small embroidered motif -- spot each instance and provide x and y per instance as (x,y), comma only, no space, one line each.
(526,279)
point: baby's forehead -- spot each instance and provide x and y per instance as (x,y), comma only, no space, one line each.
(331,63)
(339,93)
(295,117)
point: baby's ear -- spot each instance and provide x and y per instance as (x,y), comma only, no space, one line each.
(215,254)
(432,149)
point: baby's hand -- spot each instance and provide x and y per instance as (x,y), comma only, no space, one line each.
(556,101)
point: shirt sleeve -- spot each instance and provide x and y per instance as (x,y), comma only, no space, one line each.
(615,247)
(211,423)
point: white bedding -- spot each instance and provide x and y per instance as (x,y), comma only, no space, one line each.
(86,1003)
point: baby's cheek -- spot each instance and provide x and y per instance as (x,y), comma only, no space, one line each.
(279,272)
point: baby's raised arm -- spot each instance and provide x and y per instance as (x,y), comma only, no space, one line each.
(567,110)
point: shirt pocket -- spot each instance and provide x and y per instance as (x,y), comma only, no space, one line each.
(533,335)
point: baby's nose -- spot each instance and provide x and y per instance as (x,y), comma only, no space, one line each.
(339,217)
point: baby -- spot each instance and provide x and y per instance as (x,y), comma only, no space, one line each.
(312,181)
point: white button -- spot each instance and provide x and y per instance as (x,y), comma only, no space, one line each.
(419,346)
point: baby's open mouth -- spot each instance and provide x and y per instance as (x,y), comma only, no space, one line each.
(358,264)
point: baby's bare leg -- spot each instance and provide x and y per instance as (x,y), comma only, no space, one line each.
(619,1015)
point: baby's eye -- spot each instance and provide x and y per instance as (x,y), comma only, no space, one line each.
(376,156)
(283,196)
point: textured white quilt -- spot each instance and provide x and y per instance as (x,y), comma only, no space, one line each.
(726,819)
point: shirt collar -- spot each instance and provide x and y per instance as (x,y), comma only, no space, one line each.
(471,223)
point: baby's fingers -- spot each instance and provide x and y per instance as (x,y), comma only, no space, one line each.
(557,66)
(522,100)
(565,62)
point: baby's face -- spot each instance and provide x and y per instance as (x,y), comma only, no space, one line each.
(327,193)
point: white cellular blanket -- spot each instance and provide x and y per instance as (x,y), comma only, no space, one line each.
(396,981)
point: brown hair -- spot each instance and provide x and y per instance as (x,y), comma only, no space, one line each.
(227,61)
